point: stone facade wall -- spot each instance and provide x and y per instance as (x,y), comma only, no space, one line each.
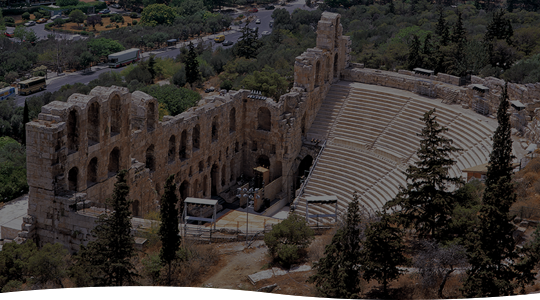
(76,148)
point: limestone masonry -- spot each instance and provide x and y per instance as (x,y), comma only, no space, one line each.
(75,148)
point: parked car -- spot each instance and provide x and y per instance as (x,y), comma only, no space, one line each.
(258,21)
(104,11)
(42,20)
(269,7)
(31,23)
(227,43)
(56,17)
(116,5)
(9,35)
(253,10)
(209,90)
(265,33)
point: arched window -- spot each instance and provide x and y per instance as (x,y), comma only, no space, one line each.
(114,162)
(336,66)
(183,145)
(201,166)
(184,190)
(231,179)
(215,129)
(73,179)
(93,124)
(73,132)
(336,35)
(91,173)
(232,120)
(223,174)
(116,116)
(264,119)
(204,183)
(151,117)
(172,149)
(150,158)
(303,125)
(196,137)
(196,188)
(328,68)
(236,147)
(135,208)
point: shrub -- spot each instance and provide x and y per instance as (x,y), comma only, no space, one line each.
(134,15)
(226,85)
(134,22)
(38,15)
(288,240)
(117,26)
(26,16)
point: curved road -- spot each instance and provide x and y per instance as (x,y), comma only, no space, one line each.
(54,82)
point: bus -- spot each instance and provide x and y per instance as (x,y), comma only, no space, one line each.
(31,85)
(6,92)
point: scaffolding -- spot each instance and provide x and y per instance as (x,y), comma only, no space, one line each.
(326,200)
(199,202)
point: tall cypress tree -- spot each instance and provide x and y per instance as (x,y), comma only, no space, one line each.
(168,230)
(107,260)
(414,60)
(426,202)
(338,273)
(192,65)
(441,28)
(491,248)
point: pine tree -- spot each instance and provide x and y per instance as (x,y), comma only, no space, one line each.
(151,66)
(392,7)
(491,248)
(107,260)
(459,35)
(427,52)
(338,272)
(441,28)
(426,203)
(192,65)
(168,230)
(383,251)
(414,60)
(248,43)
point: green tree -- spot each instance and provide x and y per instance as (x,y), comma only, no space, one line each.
(67,2)
(158,14)
(37,16)
(21,32)
(92,20)
(152,66)
(248,44)
(415,59)
(459,34)
(268,81)
(59,22)
(179,78)
(491,247)
(168,230)
(107,261)
(176,99)
(288,240)
(383,251)
(102,47)
(14,262)
(441,28)
(77,16)
(192,65)
(25,16)
(426,203)
(49,264)
(86,59)
(338,272)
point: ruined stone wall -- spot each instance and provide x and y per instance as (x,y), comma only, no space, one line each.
(76,148)
(445,87)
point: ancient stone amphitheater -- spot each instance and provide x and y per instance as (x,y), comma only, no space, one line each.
(371,138)
(349,129)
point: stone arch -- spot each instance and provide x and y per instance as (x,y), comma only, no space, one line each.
(231,179)
(223,174)
(116,116)
(183,145)
(201,166)
(151,116)
(214,179)
(232,120)
(184,190)
(150,158)
(215,129)
(135,208)
(93,123)
(204,184)
(171,155)
(264,118)
(73,131)
(92,172)
(114,162)
(196,137)
(263,161)
(236,147)
(317,73)
(196,188)
(73,179)
(336,65)
(303,168)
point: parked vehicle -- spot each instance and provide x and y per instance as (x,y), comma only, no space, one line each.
(42,20)
(271,23)
(265,33)
(220,38)
(209,90)
(258,21)
(253,10)
(7,92)
(31,23)
(115,5)
(56,17)
(9,35)
(123,58)
(104,11)
(227,43)
(270,7)
(31,85)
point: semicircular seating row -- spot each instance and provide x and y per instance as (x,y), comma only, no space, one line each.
(372,137)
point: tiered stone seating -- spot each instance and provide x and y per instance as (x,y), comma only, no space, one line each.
(372,121)
(328,112)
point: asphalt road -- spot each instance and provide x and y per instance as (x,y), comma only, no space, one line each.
(55,82)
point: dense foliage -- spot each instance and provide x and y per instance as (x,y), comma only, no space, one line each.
(168,229)
(12,169)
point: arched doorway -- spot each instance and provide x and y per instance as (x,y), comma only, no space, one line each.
(303,169)
(214,178)
(135,208)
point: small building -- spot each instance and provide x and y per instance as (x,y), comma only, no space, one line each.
(480,171)
(480,88)
(424,72)
(517,105)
